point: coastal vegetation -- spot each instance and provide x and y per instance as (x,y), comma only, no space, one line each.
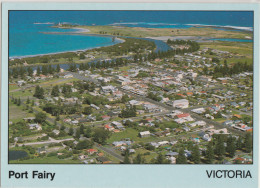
(156,32)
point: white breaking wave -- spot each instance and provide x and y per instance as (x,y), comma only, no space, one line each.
(225,26)
(43,23)
(144,23)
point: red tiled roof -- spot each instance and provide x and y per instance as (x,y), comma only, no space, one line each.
(91,150)
(183,115)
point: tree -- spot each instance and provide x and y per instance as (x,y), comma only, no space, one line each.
(196,154)
(19,101)
(159,159)
(210,153)
(87,110)
(128,112)
(248,143)
(38,71)
(220,148)
(239,143)
(81,56)
(71,131)
(100,135)
(81,129)
(231,147)
(30,71)
(77,135)
(181,159)
(124,98)
(55,91)
(58,68)
(28,100)
(88,132)
(40,117)
(126,158)
(85,144)
(139,159)
(39,92)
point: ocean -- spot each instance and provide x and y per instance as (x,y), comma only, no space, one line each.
(26,37)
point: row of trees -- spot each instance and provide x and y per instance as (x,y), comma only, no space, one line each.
(193,45)
(153,96)
(217,149)
(42,59)
(99,64)
(22,71)
(130,45)
(98,135)
(225,70)
(129,111)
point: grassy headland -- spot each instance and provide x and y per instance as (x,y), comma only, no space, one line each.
(156,32)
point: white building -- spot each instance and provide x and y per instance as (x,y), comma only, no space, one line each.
(144,134)
(182,103)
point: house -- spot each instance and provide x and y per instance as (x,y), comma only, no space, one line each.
(163,143)
(122,148)
(94,106)
(131,150)
(91,151)
(16,139)
(29,119)
(144,134)
(123,80)
(207,137)
(185,115)
(151,108)
(228,122)
(68,76)
(56,132)
(219,131)
(82,157)
(237,116)
(35,126)
(75,122)
(109,127)
(198,123)
(108,89)
(171,159)
(134,102)
(182,103)
(187,153)
(105,118)
(239,160)
(172,154)
(103,160)
(21,82)
(117,124)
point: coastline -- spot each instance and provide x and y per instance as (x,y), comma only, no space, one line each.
(79,32)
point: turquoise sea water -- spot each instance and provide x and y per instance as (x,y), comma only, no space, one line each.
(26,37)
(28,40)
(233,40)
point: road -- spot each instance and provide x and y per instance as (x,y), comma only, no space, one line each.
(42,84)
(51,140)
(110,151)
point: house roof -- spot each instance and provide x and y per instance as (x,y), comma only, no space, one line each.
(183,115)
(91,150)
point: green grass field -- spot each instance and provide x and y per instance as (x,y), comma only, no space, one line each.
(129,133)
(155,32)
(46,160)
(236,48)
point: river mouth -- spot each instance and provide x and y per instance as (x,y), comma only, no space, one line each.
(17,154)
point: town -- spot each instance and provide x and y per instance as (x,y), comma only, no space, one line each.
(126,103)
